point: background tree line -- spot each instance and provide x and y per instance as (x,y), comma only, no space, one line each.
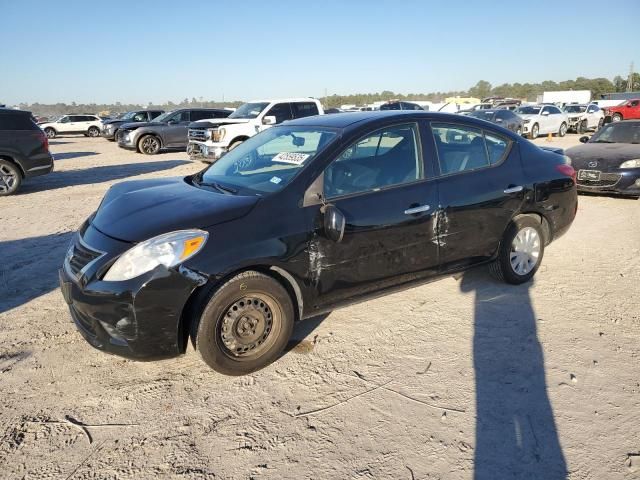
(482,89)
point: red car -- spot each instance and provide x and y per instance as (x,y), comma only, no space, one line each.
(628,110)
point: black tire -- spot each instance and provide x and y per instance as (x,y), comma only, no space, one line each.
(563,130)
(600,124)
(149,145)
(582,127)
(502,267)
(534,131)
(50,132)
(93,132)
(519,131)
(616,117)
(250,305)
(10,178)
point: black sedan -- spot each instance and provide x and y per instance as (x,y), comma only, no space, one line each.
(503,117)
(305,217)
(609,162)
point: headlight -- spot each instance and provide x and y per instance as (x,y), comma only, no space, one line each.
(635,163)
(526,120)
(218,135)
(169,249)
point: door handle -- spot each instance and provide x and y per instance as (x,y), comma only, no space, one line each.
(517,189)
(414,210)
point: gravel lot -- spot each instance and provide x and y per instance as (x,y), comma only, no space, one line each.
(437,382)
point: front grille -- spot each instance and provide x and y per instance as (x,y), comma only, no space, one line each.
(606,180)
(79,256)
(198,134)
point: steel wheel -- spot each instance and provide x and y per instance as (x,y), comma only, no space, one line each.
(149,145)
(534,131)
(525,250)
(616,118)
(563,130)
(249,327)
(50,132)
(10,178)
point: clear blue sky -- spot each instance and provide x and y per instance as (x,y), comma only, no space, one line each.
(140,51)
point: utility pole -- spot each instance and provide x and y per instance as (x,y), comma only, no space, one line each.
(630,80)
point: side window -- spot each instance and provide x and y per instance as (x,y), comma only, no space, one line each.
(153,115)
(183,116)
(221,114)
(78,118)
(201,115)
(306,109)
(546,109)
(282,112)
(556,110)
(16,122)
(140,117)
(66,119)
(635,103)
(461,148)
(387,157)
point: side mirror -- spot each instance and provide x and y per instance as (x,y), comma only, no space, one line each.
(545,113)
(584,139)
(499,120)
(269,120)
(334,223)
(172,122)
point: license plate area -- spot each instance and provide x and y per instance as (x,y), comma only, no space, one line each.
(593,175)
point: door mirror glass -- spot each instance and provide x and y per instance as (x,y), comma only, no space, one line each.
(334,223)
(584,139)
(269,120)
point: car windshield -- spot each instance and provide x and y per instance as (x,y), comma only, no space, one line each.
(529,110)
(163,118)
(249,110)
(483,114)
(267,162)
(575,108)
(618,133)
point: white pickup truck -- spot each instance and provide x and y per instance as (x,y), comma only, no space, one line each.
(210,139)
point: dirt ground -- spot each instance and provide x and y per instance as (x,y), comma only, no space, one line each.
(460,378)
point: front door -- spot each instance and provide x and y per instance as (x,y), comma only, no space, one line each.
(175,133)
(379,185)
(480,188)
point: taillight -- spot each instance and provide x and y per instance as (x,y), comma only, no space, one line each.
(567,170)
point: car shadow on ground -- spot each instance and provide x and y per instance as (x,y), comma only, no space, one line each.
(56,142)
(87,176)
(516,435)
(70,155)
(299,343)
(608,195)
(29,268)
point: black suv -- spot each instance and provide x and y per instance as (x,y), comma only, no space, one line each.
(110,127)
(24,150)
(168,131)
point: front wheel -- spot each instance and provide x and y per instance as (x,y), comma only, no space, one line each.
(10,178)
(520,253)
(563,130)
(149,145)
(535,130)
(616,118)
(519,131)
(245,325)
(600,124)
(50,132)
(582,127)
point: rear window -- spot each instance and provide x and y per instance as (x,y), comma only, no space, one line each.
(16,122)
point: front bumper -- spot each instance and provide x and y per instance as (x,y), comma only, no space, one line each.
(109,134)
(618,182)
(126,140)
(202,151)
(138,318)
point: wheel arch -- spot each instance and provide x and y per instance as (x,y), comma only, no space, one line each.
(239,138)
(198,300)
(144,134)
(10,159)
(538,217)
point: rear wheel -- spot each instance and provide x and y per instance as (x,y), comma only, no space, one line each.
(245,325)
(534,131)
(50,132)
(149,145)
(520,253)
(563,130)
(616,117)
(93,131)
(10,178)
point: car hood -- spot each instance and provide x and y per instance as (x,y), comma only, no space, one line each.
(134,125)
(138,210)
(216,122)
(528,115)
(114,122)
(609,155)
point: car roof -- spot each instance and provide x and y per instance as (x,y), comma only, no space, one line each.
(280,100)
(351,119)
(15,112)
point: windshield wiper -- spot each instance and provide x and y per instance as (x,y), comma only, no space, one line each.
(218,186)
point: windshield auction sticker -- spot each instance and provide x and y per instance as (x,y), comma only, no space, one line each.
(290,157)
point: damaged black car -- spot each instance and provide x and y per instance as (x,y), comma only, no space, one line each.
(307,216)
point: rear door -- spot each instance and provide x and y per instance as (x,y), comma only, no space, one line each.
(481,186)
(379,184)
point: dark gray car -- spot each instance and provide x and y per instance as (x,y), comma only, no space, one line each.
(504,118)
(24,150)
(168,131)
(110,127)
